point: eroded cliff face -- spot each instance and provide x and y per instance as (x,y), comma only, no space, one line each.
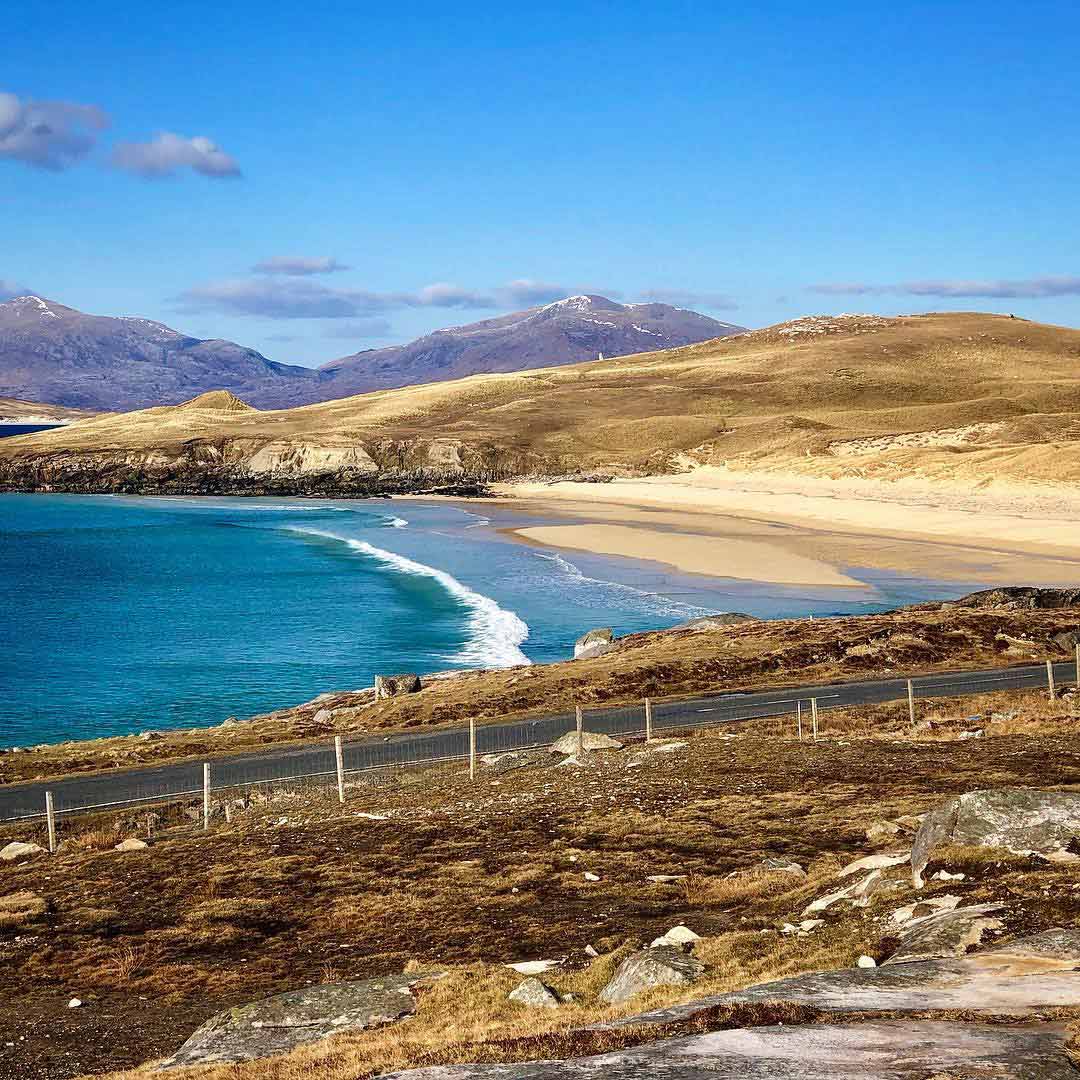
(244,466)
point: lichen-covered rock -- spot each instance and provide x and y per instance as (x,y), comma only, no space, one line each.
(946,933)
(662,966)
(388,686)
(535,994)
(1020,820)
(18,850)
(590,740)
(594,643)
(278,1024)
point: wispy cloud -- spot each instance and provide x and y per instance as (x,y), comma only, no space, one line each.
(48,134)
(290,297)
(1021,289)
(167,154)
(299,265)
(690,299)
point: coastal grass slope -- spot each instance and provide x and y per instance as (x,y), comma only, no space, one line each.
(964,398)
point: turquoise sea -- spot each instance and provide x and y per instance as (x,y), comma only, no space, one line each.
(121,614)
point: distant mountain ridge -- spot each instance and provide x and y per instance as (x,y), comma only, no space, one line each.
(53,353)
(564,332)
(50,352)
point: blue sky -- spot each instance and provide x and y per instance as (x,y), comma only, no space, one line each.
(429,165)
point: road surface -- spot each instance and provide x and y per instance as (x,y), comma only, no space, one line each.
(126,786)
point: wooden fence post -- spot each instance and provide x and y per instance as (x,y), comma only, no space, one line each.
(1050,679)
(206,795)
(813,712)
(472,748)
(50,818)
(911,701)
(648,720)
(580,731)
(798,719)
(339,756)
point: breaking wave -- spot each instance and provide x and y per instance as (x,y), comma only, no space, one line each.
(495,635)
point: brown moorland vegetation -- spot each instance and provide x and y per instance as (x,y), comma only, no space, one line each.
(465,877)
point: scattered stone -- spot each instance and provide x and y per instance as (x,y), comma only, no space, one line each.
(857,894)
(323,716)
(805,927)
(590,951)
(945,933)
(149,736)
(534,967)
(1017,819)
(590,876)
(278,1024)
(535,994)
(874,862)
(944,875)
(678,937)
(388,686)
(17,850)
(786,865)
(666,879)
(590,740)
(921,908)
(132,844)
(75,1003)
(594,643)
(662,966)
(865,961)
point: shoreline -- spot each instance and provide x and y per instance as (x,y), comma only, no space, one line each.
(786,528)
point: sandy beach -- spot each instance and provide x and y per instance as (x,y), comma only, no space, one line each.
(787,528)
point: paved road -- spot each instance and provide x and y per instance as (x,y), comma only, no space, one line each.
(121,786)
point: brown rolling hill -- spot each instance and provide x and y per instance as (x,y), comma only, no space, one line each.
(959,396)
(17,411)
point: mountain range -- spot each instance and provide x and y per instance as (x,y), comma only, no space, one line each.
(53,353)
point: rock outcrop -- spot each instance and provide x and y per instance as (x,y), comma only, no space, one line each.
(1019,820)
(946,933)
(590,740)
(278,1024)
(594,643)
(388,686)
(665,965)
(18,850)
(534,994)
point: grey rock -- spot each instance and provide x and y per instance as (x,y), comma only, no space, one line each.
(789,866)
(1066,639)
(132,844)
(590,740)
(711,622)
(876,1050)
(535,994)
(662,966)
(946,933)
(388,686)
(593,643)
(1018,819)
(18,850)
(278,1024)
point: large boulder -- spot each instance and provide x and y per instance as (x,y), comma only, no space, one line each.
(388,686)
(590,740)
(1017,819)
(664,965)
(594,643)
(278,1024)
(534,994)
(18,850)
(946,933)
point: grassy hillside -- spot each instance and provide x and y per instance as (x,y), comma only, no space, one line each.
(959,396)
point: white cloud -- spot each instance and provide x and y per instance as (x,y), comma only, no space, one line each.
(1026,289)
(168,153)
(299,265)
(48,134)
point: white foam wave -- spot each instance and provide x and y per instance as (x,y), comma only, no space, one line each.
(662,605)
(396,522)
(495,634)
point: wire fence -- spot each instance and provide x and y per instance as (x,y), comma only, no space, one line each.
(343,763)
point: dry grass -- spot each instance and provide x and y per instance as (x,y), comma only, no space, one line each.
(20,909)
